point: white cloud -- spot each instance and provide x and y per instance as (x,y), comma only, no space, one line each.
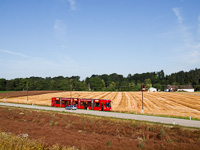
(72,4)
(191,49)
(60,29)
(177,13)
(13,53)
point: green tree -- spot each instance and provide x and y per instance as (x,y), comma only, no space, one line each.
(124,86)
(132,86)
(2,84)
(112,87)
(139,86)
(96,83)
(158,86)
(147,83)
(10,85)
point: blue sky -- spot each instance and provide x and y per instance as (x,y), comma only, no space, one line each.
(49,38)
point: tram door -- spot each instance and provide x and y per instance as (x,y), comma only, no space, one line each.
(53,103)
(67,103)
(101,106)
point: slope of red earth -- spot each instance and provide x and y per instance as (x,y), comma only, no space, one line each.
(90,132)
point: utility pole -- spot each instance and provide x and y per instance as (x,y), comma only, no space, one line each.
(71,91)
(142,99)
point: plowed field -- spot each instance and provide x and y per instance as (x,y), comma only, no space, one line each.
(23,93)
(157,103)
(94,133)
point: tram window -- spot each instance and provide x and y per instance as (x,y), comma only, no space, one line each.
(89,103)
(107,105)
(63,102)
(82,104)
(96,104)
(57,102)
(75,103)
(68,102)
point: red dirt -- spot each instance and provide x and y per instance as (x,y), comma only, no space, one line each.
(89,132)
(24,93)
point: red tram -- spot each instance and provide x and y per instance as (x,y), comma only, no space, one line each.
(82,103)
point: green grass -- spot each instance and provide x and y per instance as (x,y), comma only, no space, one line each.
(187,118)
(167,116)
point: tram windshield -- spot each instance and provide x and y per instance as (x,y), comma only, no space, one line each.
(107,105)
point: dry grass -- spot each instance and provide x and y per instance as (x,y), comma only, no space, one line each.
(9,141)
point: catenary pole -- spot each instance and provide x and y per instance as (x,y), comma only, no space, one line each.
(70,91)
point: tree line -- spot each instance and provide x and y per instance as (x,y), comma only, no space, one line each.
(105,82)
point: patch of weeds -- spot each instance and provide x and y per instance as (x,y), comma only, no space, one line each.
(134,125)
(65,123)
(11,113)
(142,142)
(51,122)
(124,132)
(161,134)
(56,123)
(169,140)
(117,130)
(21,113)
(151,129)
(20,120)
(9,110)
(9,141)
(108,143)
(139,132)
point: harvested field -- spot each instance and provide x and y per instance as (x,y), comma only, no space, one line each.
(156,103)
(91,132)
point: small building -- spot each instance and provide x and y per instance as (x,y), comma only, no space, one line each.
(187,88)
(166,90)
(152,89)
(171,88)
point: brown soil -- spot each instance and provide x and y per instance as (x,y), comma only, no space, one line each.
(24,93)
(89,132)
